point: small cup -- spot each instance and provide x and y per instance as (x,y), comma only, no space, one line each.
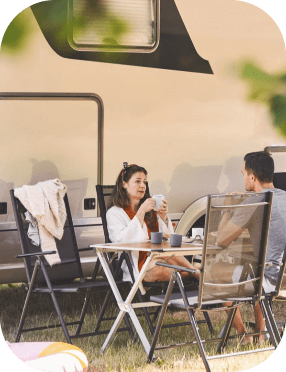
(156,237)
(158,200)
(176,240)
(197,232)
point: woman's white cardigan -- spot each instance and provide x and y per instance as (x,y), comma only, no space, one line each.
(123,230)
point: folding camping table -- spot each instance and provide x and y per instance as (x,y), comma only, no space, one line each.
(154,251)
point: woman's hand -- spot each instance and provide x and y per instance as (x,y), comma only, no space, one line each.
(145,207)
(163,210)
(148,205)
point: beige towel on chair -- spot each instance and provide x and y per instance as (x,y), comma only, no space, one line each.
(45,202)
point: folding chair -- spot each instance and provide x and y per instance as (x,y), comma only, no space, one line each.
(279,294)
(103,194)
(218,291)
(60,278)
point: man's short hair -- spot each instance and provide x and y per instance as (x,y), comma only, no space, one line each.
(261,164)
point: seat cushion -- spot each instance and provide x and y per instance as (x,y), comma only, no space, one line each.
(176,300)
(79,287)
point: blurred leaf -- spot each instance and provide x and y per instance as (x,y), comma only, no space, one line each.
(20,31)
(262,85)
(269,89)
(118,27)
(17,34)
(97,12)
(283,78)
(278,109)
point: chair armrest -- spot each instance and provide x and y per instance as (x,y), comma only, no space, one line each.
(178,268)
(85,249)
(35,254)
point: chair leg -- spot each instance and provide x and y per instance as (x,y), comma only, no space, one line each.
(146,314)
(226,330)
(82,315)
(102,312)
(191,315)
(140,298)
(208,321)
(128,325)
(195,327)
(161,317)
(272,319)
(270,322)
(25,308)
(86,300)
(52,293)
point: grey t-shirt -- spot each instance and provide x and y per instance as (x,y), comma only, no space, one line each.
(277,231)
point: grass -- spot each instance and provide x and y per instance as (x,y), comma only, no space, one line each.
(123,355)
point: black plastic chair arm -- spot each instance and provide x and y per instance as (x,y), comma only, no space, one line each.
(178,268)
(85,249)
(35,254)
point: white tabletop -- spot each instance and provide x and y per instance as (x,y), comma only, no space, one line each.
(147,246)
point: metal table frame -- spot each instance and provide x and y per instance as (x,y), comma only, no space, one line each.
(154,251)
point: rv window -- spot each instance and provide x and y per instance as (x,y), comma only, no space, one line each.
(47,139)
(114,25)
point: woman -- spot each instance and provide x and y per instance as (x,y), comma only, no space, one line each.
(131,218)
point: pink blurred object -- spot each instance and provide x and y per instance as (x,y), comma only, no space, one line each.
(51,356)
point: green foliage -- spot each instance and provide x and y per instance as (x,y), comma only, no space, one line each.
(96,12)
(269,89)
(17,34)
(110,27)
(278,109)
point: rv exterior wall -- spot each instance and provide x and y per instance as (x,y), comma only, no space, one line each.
(189,130)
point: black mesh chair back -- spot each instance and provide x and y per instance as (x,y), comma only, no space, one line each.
(244,257)
(60,278)
(281,282)
(279,180)
(69,268)
(103,195)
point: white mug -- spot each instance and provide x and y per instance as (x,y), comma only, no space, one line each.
(158,200)
(197,231)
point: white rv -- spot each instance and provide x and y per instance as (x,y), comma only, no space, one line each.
(153,83)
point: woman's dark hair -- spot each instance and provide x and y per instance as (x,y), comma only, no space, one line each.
(119,196)
(261,164)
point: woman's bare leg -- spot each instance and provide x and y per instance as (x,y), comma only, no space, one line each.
(162,274)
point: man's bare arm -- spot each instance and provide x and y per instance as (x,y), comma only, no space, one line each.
(227,230)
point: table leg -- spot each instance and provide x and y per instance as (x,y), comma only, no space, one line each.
(127,307)
(112,331)
(137,325)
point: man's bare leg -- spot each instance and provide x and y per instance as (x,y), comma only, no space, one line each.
(227,271)
(239,325)
(259,322)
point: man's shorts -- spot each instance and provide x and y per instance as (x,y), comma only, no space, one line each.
(267,286)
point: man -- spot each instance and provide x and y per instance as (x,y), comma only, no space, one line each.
(258,171)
